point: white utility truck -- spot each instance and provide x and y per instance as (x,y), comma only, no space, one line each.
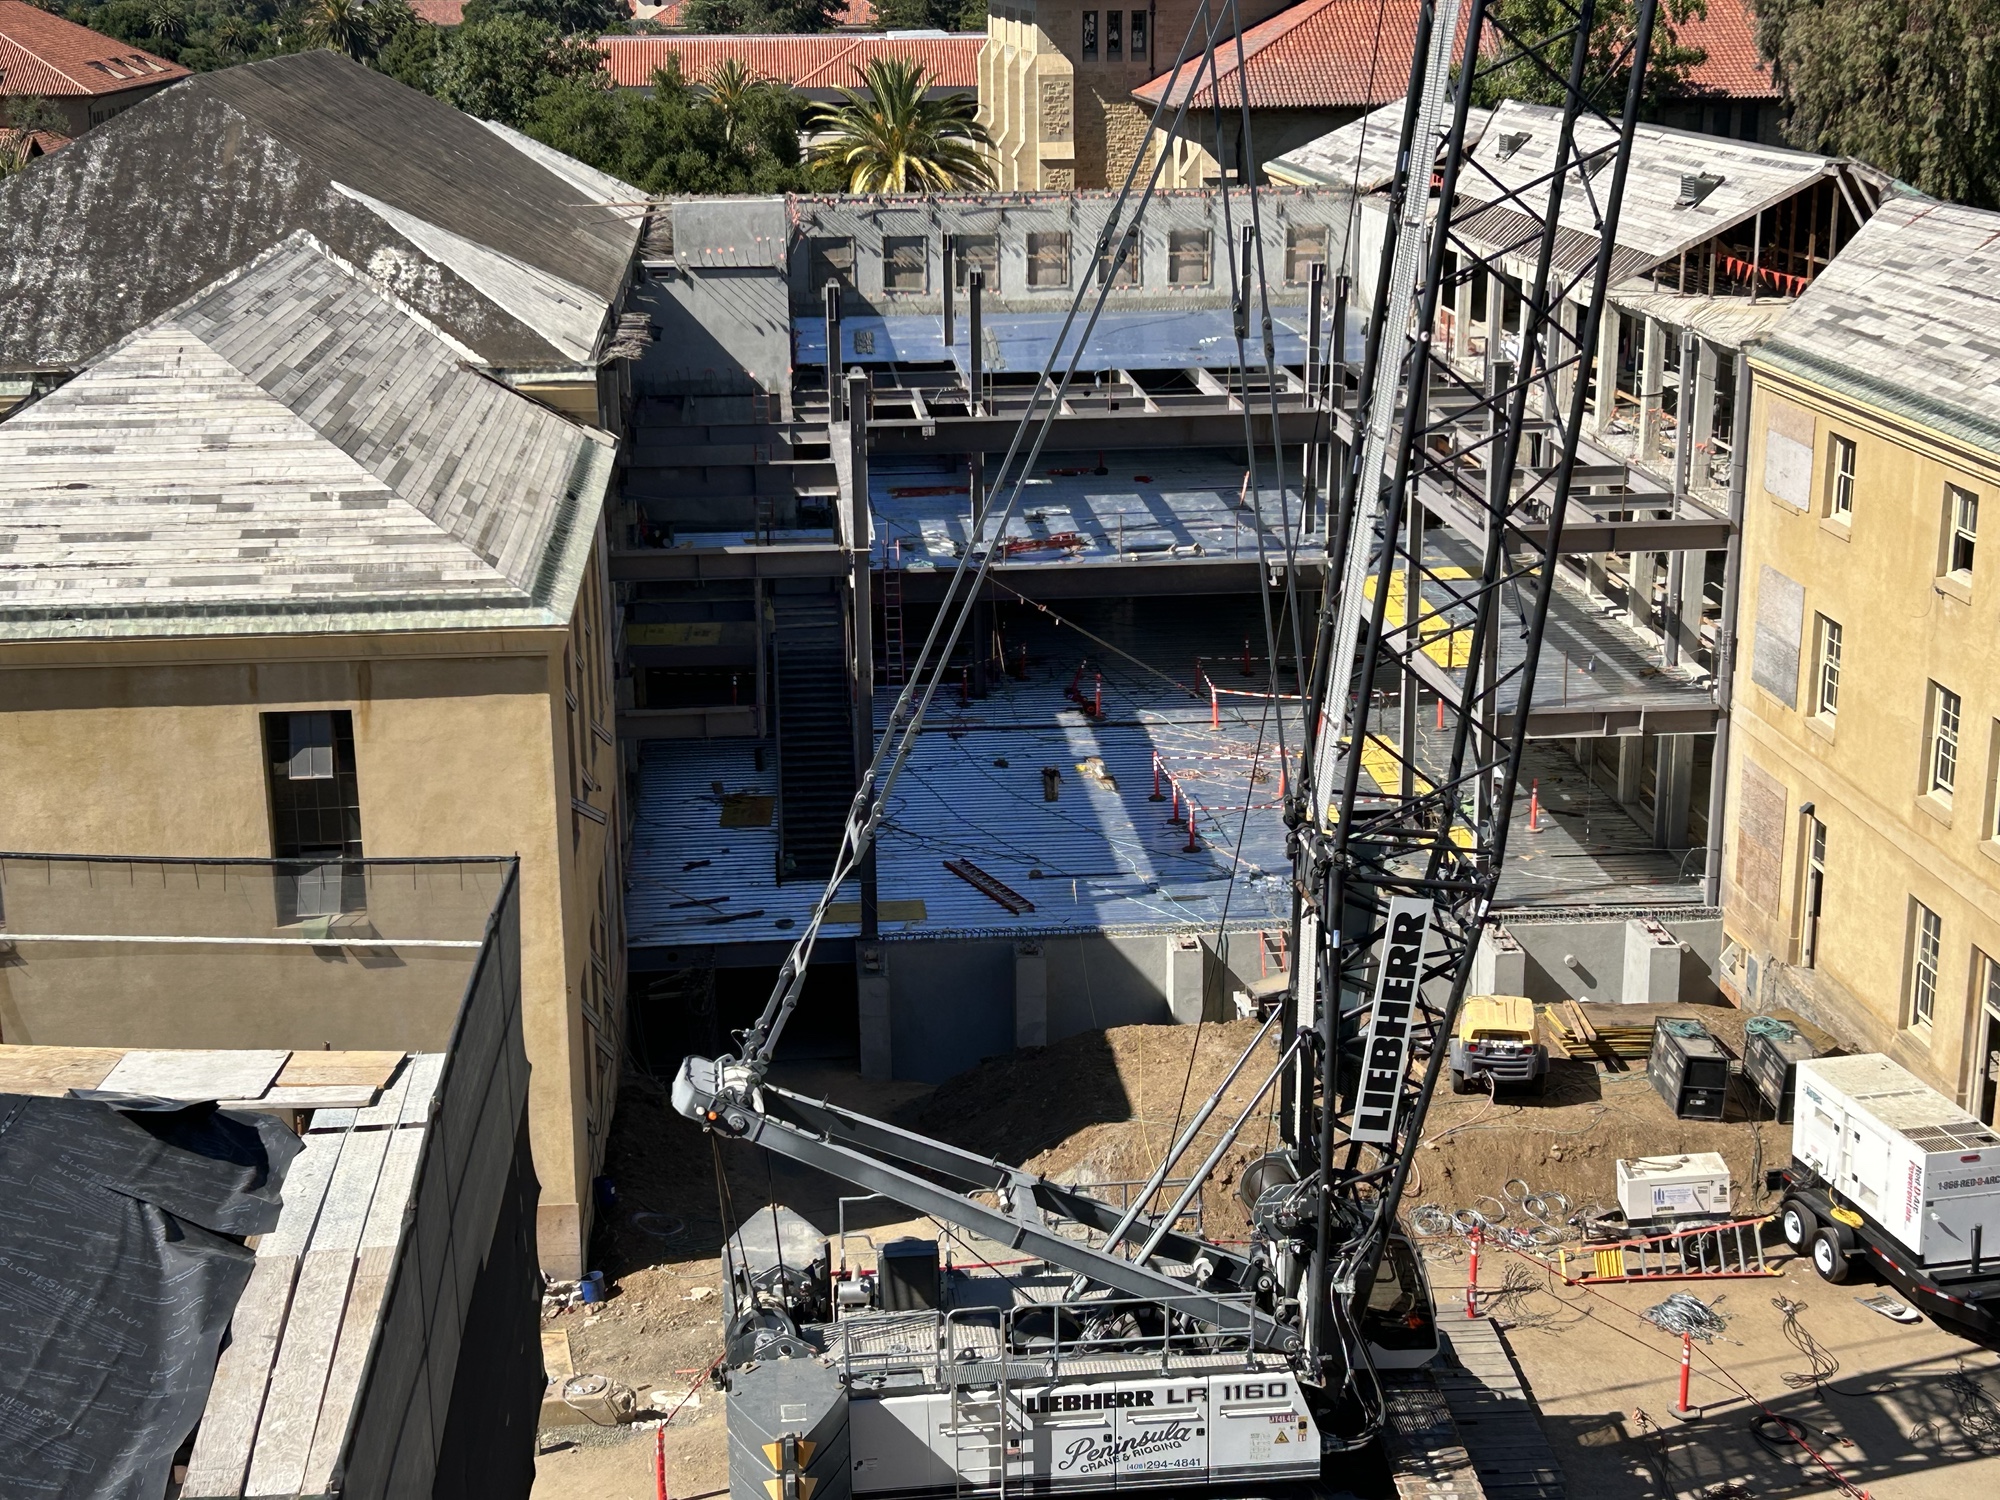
(1889,1173)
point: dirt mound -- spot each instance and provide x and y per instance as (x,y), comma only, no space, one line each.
(1101,1108)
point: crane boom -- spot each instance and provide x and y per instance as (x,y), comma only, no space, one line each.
(1396,870)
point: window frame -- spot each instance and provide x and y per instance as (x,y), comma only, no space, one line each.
(1944,727)
(1828,641)
(1842,460)
(1296,272)
(1114,36)
(1122,264)
(1089,36)
(1926,966)
(1961,532)
(903,243)
(1038,261)
(818,258)
(1177,252)
(305,890)
(1135,37)
(963,264)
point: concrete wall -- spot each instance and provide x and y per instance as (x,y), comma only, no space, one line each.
(465,745)
(723,331)
(1890,843)
(952,1002)
(1602,956)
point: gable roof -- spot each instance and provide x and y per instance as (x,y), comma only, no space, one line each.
(291,450)
(1655,223)
(519,263)
(1355,54)
(45,56)
(1907,319)
(823,61)
(1359,157)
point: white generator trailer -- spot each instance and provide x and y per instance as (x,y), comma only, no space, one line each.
(1889,1173)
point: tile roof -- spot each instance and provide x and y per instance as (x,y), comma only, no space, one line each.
(439,12)
(1907,319)
(848,14)
(291,449)
(44,55)
(1733,68)
(39,142)
(513,254)
(1319,54)
(1355,54)
(822,62)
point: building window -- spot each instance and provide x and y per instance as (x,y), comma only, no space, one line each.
(904,263)
(831,260)
(1962,517)
(1138,35)
(315,812)
(1090,36)
(1305,246)
(1048,257)
(1840,500)
(1927,945)
(1941,765)
(1188,257)
(1114,40)
(1826,677)
(1121,266)
(1812,896)
(976,252)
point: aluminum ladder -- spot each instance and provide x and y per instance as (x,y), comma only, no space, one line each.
(1704,1252)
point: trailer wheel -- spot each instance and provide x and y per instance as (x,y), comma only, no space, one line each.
(1829,1259)
(1797,1223)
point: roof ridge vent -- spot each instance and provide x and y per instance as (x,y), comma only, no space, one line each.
(1696,186)
(1510,143)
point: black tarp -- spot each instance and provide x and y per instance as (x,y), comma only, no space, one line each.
(121,1260)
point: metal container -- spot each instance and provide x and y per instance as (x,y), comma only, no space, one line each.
(1689,1067)
(1772,1052)
(907,1272)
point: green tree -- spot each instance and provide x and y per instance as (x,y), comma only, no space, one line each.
(1667,67)
(930,15)
(730,88)
(718,17)
(499,67)
(411,56)
(1910,86)
(20,117)
(893,140)
(349,26)
(570,17)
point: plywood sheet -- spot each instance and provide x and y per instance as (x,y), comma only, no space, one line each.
(53,1071)
(1761,817)
(195,1075)
(339,1096)
(1774,656)
(371,1070)
(221,1457)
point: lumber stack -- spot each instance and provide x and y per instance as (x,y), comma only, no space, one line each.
(1584,1034)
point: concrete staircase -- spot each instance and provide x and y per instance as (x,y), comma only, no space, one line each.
(815,732)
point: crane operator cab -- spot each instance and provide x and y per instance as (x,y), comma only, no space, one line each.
(1400,1320)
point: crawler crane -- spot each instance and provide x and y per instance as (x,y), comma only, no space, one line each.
(1123,1351)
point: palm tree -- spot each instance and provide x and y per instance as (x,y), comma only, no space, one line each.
(342,26)
(894,140)
(730,89)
